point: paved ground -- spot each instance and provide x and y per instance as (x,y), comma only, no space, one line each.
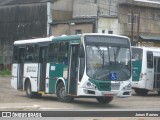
(11,99)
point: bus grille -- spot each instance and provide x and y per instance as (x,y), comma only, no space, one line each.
(115,86)
(109,86)
(105,86)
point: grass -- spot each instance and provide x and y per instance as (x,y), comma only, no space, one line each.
(5,72)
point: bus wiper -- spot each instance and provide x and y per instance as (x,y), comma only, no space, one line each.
(101,52)
(114,56)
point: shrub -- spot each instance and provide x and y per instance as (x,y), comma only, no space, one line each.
(5,72)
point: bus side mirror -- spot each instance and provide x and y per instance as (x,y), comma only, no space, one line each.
(81,52)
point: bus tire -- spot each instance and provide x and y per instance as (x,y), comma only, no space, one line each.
(61,94)
(141,92)
(158,93)
(104,100)
(29,92)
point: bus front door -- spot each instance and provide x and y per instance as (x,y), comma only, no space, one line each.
(73,74)
(42,67)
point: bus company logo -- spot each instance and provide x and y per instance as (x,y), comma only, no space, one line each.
(31,69)
(20,114)
(6,114)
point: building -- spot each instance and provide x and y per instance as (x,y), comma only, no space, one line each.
(145,28)
(22,19)
(25,19)
(84,16)
(109,16)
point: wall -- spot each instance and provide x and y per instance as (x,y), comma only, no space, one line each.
(17,22)
(149,23)
(67,29)
(89,8)
(62,10)
(109,24)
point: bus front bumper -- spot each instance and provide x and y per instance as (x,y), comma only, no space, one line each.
(95,92)
(124,94)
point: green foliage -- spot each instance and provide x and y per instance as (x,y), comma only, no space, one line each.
(5,72)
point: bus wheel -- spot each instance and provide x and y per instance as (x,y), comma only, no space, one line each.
(158,93)
(141,92)
(61,94)
(104,100)
(29,92)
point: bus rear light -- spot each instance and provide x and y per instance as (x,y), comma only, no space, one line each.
(142,75)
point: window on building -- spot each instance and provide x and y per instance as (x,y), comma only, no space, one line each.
(78,32)
(135,19)
(110,32)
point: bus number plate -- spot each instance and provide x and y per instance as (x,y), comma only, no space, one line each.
(108,95)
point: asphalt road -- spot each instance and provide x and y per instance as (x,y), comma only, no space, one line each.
(11,99)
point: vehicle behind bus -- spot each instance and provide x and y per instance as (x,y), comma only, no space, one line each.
(87,65)
(145,70)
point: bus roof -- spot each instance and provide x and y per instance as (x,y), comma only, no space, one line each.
(62,38)
(37,40)
(48,39)
(77,37)
(67,37)
(147,48)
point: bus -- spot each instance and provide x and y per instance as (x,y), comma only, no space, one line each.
(69,66)
(145,69)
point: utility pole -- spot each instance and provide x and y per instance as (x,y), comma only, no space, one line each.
(97,18)
(132,15)
(138,26)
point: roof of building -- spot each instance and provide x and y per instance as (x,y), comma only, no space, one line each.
(77,20)
(150,38)
(148,1)
(143,3)
(14,2)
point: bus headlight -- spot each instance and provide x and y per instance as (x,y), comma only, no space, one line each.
(89,85)
(128,87)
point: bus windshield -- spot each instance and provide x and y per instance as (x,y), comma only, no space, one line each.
(106,60)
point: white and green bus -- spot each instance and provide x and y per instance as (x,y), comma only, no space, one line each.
(87,65)
(145,69)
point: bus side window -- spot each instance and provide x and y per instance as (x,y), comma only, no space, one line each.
(53,52)
(36,53)
(63,53)
(149,60)
(29,54)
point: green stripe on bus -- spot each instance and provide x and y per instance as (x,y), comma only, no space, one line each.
(136,70)
(102,85)
(55,70)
